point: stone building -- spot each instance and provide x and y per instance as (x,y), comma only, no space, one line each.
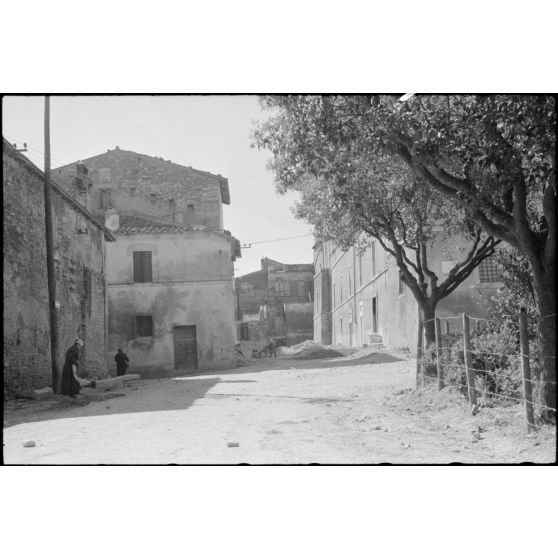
(280,296)
(79,243)
(360,299)
(138,184)
(170,281)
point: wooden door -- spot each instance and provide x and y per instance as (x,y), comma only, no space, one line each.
(185,347)
(375,315)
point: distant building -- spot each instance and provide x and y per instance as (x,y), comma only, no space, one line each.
(170,271)
(360,298)
(80,240)
(276,301)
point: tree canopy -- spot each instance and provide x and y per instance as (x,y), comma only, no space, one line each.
(487,160)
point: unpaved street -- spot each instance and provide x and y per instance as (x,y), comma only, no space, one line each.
(356,409)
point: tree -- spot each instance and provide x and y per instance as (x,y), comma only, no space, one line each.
(382,199)
(491,157)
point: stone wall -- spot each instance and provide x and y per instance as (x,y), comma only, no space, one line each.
(27,361)
(79,278)
(251,292)
(151,186)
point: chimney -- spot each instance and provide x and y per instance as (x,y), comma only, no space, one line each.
(112,219)
(82,184)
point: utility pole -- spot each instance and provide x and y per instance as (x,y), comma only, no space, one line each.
(50,253)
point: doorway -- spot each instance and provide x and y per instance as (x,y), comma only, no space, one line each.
(185,347)
(375,314)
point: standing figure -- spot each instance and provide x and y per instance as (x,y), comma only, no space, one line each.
(69,383)
(271,346)
(122,361)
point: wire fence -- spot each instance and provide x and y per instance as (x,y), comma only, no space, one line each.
(489,368)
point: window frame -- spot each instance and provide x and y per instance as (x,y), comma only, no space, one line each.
(488,271)
(140,266)
(139,327)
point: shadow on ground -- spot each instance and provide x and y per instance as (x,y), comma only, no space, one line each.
(302,363)
(173,394)
(170,397)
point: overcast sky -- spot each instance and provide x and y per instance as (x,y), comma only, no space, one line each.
(210,133)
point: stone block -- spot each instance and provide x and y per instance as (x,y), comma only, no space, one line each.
(110,383)
(130,378)
(42,393)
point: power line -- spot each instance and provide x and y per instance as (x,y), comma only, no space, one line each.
(132,130)
(131,133)
(250,244)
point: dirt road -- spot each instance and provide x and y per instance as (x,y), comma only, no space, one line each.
(355,409)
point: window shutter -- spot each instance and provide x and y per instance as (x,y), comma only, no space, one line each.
(137,267)
(147,273)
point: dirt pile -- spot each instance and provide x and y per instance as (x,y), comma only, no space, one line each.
(309,350)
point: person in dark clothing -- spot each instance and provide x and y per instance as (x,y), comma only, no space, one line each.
(271,347)
(69,383)
(122,361)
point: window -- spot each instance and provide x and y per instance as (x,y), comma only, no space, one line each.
(153,198)
(244,332)
(132,191)
(373,251)
(350,280)
(360,269)
(144,326)
(280,287)
(341,289)
(488,271)
(340,325)
(142,267)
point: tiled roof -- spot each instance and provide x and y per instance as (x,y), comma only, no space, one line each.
(132,224)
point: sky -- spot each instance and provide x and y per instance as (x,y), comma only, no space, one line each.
(210,133)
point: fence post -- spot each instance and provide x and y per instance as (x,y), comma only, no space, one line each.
(439,354)
(526,369)
(469,361)
(419,351)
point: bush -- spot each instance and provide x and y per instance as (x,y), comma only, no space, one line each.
(496,362)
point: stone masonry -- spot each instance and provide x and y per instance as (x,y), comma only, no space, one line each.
(79,243)
(143,185)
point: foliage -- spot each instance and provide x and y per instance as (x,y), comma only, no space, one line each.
(491,158)
(318,150)
(496,361)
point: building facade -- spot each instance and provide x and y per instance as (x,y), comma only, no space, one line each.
(79,244)
(170,295)
(281,297)
(360,298)
(171,299)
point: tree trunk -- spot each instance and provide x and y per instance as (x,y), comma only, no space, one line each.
(428,313)
(545,297)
